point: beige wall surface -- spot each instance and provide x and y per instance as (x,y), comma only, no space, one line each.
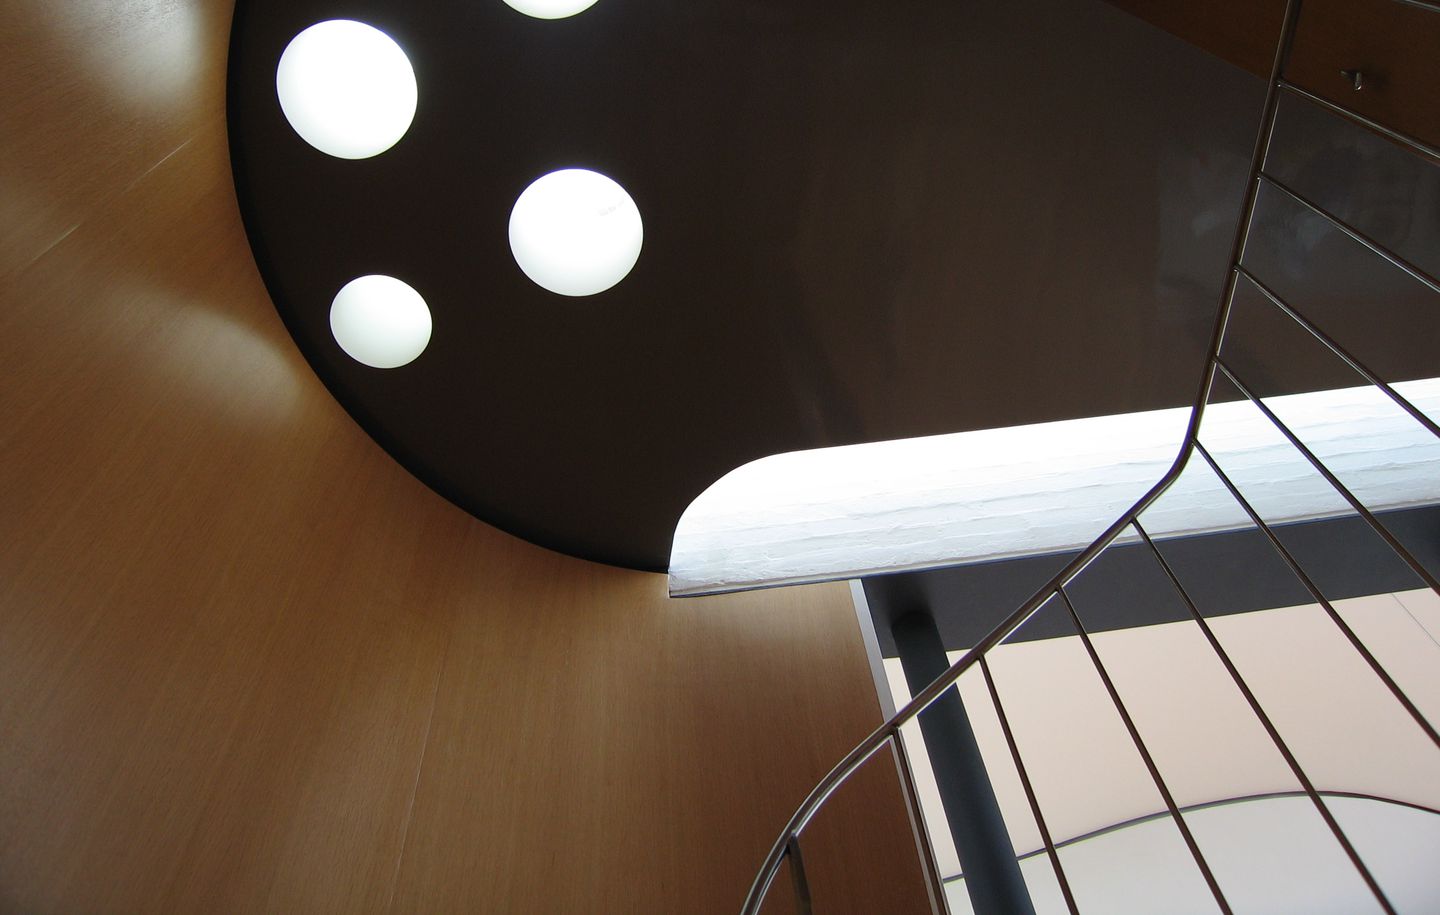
(1336,716)
(247,663)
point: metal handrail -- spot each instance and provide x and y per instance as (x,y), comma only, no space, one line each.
(888,733)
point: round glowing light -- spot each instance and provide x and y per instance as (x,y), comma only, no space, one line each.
(347,88)
(575,232)
(380,321)
(550,9)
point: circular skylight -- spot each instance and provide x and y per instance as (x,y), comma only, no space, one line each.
(380,321)
(550,9)
(575,232)
(347,88)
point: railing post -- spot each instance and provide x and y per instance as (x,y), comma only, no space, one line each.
(992,873)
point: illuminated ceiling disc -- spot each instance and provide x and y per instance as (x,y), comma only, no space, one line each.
(575,232)
(550,9)
(347,88)
(380,321)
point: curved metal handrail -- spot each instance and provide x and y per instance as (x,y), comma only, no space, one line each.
(889,730)
(877,738)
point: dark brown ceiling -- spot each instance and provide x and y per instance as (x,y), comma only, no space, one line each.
(864,220)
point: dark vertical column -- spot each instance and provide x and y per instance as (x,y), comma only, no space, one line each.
(992,875)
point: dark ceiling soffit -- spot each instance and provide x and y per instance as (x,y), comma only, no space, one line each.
(391,445)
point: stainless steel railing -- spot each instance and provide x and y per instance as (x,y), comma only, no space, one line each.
(788,848)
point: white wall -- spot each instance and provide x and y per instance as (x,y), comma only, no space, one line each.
(997,493)
(1344,727)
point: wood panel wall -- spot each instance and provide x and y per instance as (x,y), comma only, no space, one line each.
(1242,32)
(248,664)
(1395,46)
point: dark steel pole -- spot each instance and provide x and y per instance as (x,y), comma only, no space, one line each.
(992,874)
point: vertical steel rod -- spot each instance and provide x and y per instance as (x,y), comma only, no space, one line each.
(1315,592)
(1029,789)
(1334,481)
(934,883)
(1258,156)
(1404,139)
(797,876)
(1331,344)
(982,841)
(1269,726)
(1145,755)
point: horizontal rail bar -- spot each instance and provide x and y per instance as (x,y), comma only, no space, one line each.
(1374,246)
(1414,144)
(1330,343)
(1360,508)
(1315,592)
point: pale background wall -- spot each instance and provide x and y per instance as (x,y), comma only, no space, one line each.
(247,663)
(1345,728)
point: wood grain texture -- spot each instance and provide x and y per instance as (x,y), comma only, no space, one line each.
(249,664)
(95,94)
(1242,32)
(635,723)
(1396,47)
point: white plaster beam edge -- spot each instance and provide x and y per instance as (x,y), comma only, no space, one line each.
(1002,493)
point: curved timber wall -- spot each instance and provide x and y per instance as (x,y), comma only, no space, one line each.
(247,663)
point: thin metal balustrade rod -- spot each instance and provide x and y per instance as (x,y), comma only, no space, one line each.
(1334,481)
(1334,347)
(862,752)
(1264,718)
(1258,157)
(1414,144)
(1320,598)
(797,877)
(923,700)
(1135,738)
(1374,246)
(867,747)
(1426,5)
(934,883)
(1029,789)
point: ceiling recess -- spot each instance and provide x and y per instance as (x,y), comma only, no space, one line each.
(550,9)
(380,321)
(347,88)
(575,232)
(861,221)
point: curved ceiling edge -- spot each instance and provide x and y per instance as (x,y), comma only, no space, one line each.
(815,271)
(412,464)
(969,497)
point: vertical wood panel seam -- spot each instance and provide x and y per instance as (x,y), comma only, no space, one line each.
(419,772)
